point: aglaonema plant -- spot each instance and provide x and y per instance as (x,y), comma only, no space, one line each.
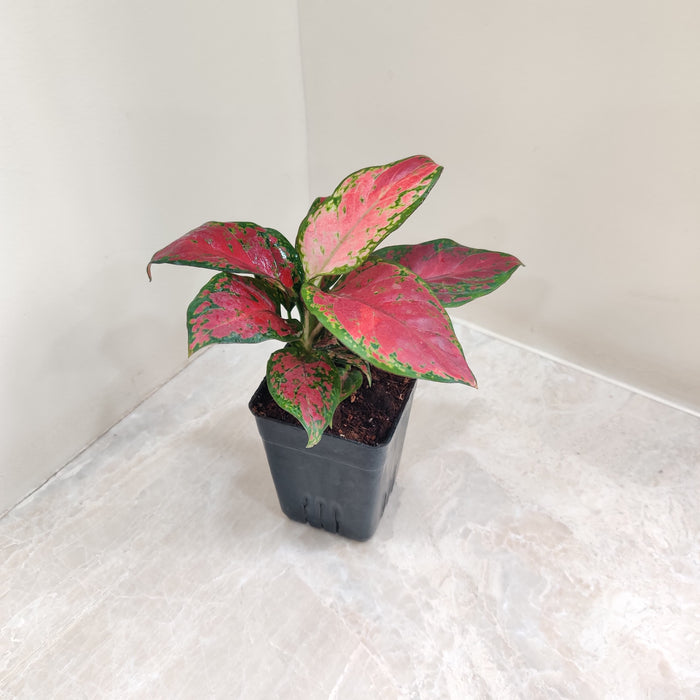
(337,301)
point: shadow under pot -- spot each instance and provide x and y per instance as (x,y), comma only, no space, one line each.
(343,483)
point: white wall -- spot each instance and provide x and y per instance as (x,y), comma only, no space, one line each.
(570,132)
(123,124)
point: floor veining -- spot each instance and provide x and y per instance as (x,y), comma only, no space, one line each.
(542,541)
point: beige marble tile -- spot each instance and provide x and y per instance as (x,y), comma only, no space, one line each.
(542,541)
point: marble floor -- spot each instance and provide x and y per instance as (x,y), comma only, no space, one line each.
(542,541)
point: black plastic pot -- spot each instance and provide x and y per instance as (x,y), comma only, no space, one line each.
(339,485)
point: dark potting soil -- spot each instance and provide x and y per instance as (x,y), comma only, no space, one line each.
(367,416)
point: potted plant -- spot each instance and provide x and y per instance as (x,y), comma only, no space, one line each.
(353,318)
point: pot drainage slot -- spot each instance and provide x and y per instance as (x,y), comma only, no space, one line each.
(318,513)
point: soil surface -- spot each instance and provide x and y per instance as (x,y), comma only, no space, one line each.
(367,416)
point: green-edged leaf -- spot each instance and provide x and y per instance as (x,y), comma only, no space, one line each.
(351,381)
(387,314)
(456,274)
(235,247)
(232,309)
(340,231)
(281,298)
(307,385)
(344,356)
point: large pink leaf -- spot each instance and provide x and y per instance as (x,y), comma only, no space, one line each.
(340,231)
(386,314)
(232,309)
(235,247)
(307,385)
(455,273)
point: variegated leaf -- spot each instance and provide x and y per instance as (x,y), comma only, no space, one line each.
(387,314)
(307,385)
(340,231)
(232,309)
(342,355)
(351,381)
(455,273)
(235,247)
(280,297)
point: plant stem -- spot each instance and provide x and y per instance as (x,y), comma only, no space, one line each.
(311,329)
(316,330)
(306,336)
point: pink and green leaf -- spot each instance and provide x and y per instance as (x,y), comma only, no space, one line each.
(340,231)
(235,247)
(232,309)
(281,298)
(455,273)
(307,385)
(386,314)
(344,356)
